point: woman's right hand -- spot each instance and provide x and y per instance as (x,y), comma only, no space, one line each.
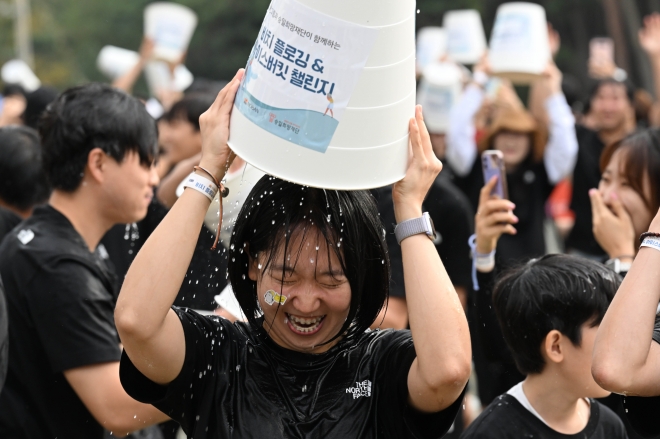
(494,218)
(214,126)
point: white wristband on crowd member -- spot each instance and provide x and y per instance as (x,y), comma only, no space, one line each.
(651,243)
(201,184)
(484,262)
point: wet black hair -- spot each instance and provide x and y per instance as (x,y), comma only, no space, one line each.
(36,103)
(276,212)
(93,116)
(190,108)
(22,181)
(13,90)
(561,292)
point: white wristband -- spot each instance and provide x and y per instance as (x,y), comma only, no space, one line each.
(653,243)
(201,184)
(484,263)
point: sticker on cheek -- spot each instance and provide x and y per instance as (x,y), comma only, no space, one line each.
(271,298)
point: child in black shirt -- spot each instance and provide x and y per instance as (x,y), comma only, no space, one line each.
(549,311)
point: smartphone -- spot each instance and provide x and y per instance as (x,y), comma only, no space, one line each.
(601,51)
(492,163)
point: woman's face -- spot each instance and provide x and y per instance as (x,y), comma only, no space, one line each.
(315,294)
(514,146)
(614,184)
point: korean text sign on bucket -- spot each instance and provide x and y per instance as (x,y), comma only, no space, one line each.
(302,73)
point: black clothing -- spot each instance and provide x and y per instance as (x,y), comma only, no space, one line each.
(236,382)
(60,300)
(506,418)
(586,176)
(4,337)
(8,220)
(498,373)
(529,189)
(453,218)
(206,276)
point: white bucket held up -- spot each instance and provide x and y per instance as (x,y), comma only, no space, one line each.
(466,40)
(439,89)
(431,46)
(328,93)
(115,62)
(170,26)
(18,72)
(159,78)
(519,45)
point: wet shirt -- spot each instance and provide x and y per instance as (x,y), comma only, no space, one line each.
(60,303)
(506,418)
(236,382)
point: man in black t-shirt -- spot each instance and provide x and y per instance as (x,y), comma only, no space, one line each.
(549,311)
(63,377)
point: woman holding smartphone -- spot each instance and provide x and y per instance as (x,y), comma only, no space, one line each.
(533,161)
(310,270)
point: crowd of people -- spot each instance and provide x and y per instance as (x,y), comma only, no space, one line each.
(118,273)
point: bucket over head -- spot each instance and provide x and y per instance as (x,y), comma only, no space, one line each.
(170,26)
(328,93)
(18,72)
(438,91)
(466,40)
(431,46)
(519,45)
(114,62)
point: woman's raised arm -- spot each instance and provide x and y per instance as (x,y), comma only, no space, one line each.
(626,359)
(437,320)
(150,331)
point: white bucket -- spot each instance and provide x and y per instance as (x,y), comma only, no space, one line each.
(466,40)
(115,62)
(160,78)
(431,46)
(519,46)
(170,26)
(18,72)
(439,89)
(368,146)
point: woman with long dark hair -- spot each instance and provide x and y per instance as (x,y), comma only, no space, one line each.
(310,270)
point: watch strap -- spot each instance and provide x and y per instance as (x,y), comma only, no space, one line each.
(415,226)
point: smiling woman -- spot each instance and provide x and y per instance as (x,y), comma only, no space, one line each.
(311,273)
(314,247)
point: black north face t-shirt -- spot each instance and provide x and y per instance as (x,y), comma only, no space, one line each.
(238,383)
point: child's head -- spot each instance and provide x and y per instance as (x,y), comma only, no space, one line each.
(549,310)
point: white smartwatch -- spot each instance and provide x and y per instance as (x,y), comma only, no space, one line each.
(415,226)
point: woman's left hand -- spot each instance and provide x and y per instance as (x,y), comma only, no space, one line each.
(613,228)
(409,193)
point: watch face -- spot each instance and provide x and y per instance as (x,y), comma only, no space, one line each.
(430,222)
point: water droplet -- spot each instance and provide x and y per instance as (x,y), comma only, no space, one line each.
(259,266)
(304,389)
(231,246)
(238,368)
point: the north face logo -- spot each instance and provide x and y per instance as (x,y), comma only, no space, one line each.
(360,389)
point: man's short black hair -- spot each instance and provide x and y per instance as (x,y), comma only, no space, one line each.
(276,212)
(22,181)
(36,104)
(190,108)
(559,292)
(93,116)
(596,85)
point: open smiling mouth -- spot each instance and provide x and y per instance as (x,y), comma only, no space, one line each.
(304,326)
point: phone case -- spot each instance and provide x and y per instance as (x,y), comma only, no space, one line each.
(492,163)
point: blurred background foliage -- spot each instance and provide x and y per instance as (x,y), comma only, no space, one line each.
(68,34)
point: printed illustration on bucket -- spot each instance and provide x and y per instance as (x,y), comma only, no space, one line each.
(302,72)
